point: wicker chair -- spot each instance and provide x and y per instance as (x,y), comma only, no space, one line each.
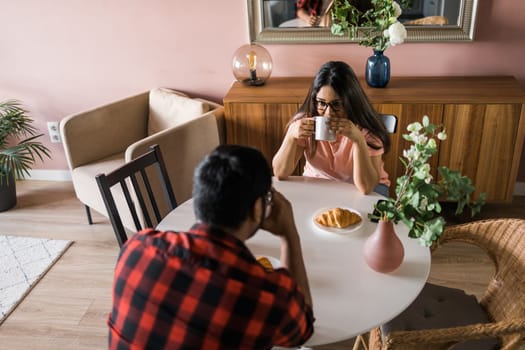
(504,299)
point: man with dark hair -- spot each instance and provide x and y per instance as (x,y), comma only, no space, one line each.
(203,289)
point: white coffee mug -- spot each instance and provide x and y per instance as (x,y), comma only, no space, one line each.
(323,132)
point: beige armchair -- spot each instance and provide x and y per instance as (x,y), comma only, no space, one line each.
(102,139)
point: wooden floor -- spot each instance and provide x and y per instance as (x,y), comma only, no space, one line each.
(67,309)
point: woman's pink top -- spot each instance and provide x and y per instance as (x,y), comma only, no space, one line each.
(334,160)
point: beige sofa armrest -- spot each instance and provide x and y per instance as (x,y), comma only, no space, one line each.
(218,111)
(100,132)
(182,147)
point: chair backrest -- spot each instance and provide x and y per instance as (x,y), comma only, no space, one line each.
(390,122)
(141,196)
(504,242)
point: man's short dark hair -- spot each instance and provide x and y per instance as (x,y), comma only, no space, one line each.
(227,183)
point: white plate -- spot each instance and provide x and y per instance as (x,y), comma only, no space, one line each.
(348,229)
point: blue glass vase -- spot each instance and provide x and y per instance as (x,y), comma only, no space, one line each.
(377,70)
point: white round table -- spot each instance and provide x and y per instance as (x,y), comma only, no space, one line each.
(349,297)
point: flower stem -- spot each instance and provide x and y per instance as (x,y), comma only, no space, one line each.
(408,173)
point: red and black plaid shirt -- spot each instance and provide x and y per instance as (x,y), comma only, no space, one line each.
(202,289)
(313,7)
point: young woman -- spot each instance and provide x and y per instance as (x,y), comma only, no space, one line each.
(355,155)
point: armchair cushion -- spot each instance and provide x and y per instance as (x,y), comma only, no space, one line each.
(168,108)
(84,177)
(443,307)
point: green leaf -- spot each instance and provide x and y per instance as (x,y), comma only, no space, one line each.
(18,155)
(426,121)
(337,29)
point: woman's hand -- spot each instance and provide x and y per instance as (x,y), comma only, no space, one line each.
(346,127)
(302,128)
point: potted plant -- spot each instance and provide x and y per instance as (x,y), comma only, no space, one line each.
(18,149)
(417,195)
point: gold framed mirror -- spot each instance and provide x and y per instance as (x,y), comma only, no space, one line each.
(265,30)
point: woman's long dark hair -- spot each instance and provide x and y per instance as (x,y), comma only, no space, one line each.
(357,107)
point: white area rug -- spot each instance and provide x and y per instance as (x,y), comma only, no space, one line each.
(23,262)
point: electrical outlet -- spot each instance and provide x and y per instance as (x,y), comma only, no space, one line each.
(54,132)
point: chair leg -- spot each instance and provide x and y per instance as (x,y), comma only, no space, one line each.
(88,213)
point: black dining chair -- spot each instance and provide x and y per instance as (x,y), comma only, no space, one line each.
(145,174)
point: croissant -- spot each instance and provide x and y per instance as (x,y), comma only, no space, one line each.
(338,217)
(266,264)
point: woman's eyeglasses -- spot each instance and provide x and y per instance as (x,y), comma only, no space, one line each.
(335,106)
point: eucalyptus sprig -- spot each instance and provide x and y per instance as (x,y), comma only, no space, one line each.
(417,196)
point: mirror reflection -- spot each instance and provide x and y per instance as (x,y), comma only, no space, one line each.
(316,13)
(280,22)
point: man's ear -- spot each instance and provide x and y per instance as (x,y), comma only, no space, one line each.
(257,210)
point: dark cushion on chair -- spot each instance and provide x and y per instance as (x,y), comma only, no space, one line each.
(443,307)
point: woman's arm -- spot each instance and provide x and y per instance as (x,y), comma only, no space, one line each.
(366,168)
(289,153)
(286,158)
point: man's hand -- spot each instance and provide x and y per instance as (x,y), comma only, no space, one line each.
(281,221)
(314,20)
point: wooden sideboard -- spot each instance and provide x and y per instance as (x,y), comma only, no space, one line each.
(484,118)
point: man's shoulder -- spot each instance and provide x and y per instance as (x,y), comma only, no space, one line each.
(150,234)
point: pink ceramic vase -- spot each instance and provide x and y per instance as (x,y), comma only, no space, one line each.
(383,250)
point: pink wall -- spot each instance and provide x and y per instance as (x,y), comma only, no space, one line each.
(64,56)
